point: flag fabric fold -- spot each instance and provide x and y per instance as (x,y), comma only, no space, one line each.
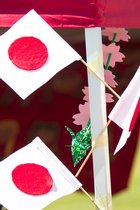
(31,53)
(46,177)
(126,110)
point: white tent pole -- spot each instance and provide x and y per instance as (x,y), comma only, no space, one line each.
(101,167)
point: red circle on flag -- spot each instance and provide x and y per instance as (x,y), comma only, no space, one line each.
(28,53)
(32,179)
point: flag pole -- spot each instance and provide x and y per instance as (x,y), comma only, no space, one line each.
(92,149)
(97,103)
(86,193)
(92,70)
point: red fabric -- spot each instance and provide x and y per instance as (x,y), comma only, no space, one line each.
(28,53)
(136,113)
(32,179)
(120,13)
(71,13)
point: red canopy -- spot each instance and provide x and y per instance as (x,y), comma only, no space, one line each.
(75,13)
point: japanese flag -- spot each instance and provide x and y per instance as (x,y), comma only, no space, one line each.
(126,110)
(33,177)
(31,53)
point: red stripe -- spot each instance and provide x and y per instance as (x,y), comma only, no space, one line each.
(136,113)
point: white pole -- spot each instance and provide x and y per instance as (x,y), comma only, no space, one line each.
(101,166)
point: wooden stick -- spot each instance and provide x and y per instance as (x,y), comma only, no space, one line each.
(92,149)
(107,124)
(86,193)
(84,162)
(93,71)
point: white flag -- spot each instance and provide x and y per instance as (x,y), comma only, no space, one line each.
(33,177)
(126,109)
(31,53)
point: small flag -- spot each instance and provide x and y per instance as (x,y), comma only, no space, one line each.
(31,53)
(126,110)
(33,177)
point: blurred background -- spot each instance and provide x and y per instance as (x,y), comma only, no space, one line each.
(51,107)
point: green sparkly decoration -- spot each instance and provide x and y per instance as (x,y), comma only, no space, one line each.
(81,142)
